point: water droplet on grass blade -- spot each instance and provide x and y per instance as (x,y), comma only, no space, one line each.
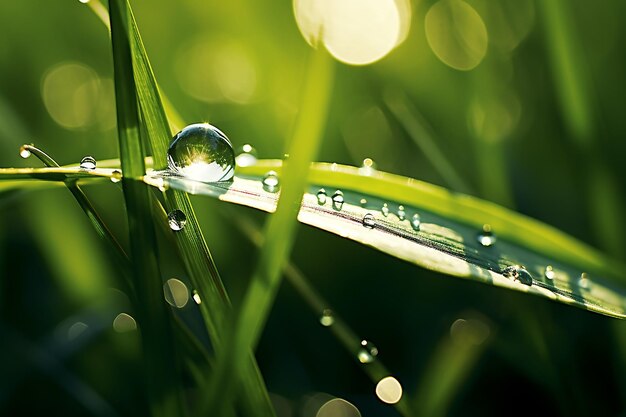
(549,273)
(176,220)
(385,210)
(401,213)
(201,152)
(338,200)
(327,319)
(416,222)
(88,163)
(367,352)
(363,202)
(24,152)
(246,156)
(271,184)
(518,273)
(116,176)
(367,167)
(368,221)
(321,197)
(583,281)
(196,297)
(486,237)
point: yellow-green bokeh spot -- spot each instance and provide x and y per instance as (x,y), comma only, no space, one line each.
(456,33)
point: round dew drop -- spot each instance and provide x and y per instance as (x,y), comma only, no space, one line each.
(518,273)
(246,156)
(321,197)
(327,319)
(201,152)
(486,237)
(401,213)
(416,222)
(385,210)
(88,163)
(24,152)
(271,183)
(176,220)
(338,200)
(369,221)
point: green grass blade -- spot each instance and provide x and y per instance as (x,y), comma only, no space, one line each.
(153,316)
(190,241)
(280,232)
(447,240)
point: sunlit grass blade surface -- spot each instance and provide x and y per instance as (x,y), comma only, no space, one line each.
(447,237)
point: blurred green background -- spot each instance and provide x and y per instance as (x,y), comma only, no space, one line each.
(523,100)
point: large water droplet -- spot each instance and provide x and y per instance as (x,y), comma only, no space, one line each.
(385,210)
(416,222)
(246,156)
(24,152)
(549,273)
(321,197)
(201,152)
(271,183)
(327,319)
(401,213)
(176,220)
(518,273)
(486,237)
(367,352)
(338,200)
(88,162)
(368,221)
(116,176)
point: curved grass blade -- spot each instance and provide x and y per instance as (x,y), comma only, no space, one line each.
(446,240)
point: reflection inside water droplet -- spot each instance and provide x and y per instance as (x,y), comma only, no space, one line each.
(385,210)
(24,152)
(271,184)
(177,220)
(201,152)
(246,156)
(368,221)
(416,222)
(88,162)
(486,237)
(367,352)
(518,273)
(338,200)
(321,197)
(327,319)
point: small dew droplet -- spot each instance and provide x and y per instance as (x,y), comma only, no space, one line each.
(201,152)
(367,352)
(549,273)
(24,152)
(518,273)
(271,184)
(338,200)
(416,222)
(367,167)
(196,297)
(385,210)
(321,196)
(327,319)
(246,156)
(368,221)
(88,163)
(583,281)
(401,213)
(363,202)
(486,237)
(84,1)
(177,220)
(116,176)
